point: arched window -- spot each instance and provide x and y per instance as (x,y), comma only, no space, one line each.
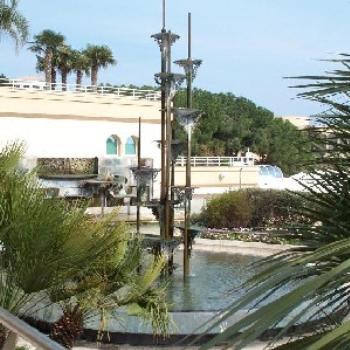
(130,146)
(112,145)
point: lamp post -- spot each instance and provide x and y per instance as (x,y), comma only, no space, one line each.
(169,82)
(187,117)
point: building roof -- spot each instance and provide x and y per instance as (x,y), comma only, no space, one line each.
(31,103)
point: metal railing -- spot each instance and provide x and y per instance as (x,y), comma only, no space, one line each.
(19,328)
(98,90)
(215,161)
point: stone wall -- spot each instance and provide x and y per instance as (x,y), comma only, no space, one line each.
(67,166)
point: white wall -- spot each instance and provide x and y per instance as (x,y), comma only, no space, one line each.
(75,138)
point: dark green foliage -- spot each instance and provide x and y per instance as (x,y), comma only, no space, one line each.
(228,210)
(278,209)
(231,124)
(253,208)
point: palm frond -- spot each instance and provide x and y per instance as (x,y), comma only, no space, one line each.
(317,274)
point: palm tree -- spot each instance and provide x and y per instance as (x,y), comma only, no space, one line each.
(45,46)
(100,57)
(40,67)
(80,65)
(64,63)
(319,272)
(12,22)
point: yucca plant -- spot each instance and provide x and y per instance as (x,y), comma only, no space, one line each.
(52,253)
(318,273)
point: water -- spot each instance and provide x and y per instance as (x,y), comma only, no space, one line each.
(213,277)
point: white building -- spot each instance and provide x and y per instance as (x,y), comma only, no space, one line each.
(81,124)
(85,123)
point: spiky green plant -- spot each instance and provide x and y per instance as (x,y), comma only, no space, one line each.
(318,274)
(52,253)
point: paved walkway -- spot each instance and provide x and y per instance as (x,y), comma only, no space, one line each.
(239,247)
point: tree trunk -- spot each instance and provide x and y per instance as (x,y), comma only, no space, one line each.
(69,327)
(53,77)
(94,70)
(64,75)
(79,79)
(48,68)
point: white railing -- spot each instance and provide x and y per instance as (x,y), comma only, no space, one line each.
(18,328)
(99,90)
(216,161)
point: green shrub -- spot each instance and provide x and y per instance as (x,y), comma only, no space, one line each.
(272,208)
(53,254)
(253,208)
(232,209)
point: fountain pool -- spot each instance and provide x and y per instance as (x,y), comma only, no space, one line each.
(211,282)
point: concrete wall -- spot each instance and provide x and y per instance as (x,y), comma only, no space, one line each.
(71,125)
(45,137)
(224,177)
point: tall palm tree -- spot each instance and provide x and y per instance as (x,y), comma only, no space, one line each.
(80,65)
(100,57)
(40,67)
(318,273)
(12,22)
(45,46)
(64,63)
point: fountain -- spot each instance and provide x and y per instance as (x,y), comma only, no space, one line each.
(170,195)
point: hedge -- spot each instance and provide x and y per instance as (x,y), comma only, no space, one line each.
(253,208)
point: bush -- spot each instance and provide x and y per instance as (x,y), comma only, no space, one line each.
(253,208)
(54,255)
(232,209)
(275,209)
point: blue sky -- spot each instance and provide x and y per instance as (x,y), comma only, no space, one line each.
(247,46)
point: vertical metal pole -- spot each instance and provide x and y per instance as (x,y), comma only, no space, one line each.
(172,184)
(168,143)
(163,15)
(188,163)
(138,180)
(163,133)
